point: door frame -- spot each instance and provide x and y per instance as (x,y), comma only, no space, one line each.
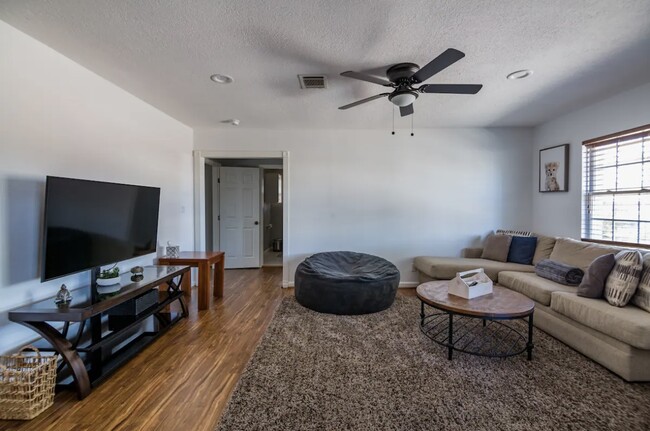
(200,157)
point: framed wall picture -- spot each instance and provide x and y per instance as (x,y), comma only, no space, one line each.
(554,169)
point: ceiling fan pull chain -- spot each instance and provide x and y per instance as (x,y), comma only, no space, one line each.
(412,115)
(393,120)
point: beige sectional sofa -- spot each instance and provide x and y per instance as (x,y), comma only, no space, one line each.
(616,337)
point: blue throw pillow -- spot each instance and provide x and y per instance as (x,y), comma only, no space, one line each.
(522,249)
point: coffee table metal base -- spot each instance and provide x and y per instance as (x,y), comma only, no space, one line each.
(491,337)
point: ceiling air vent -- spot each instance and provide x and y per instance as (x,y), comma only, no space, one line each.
(312,81)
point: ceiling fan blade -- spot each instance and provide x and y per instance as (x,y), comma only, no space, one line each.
(359,102)
(367,78)
(451,88)
(406,110)
(439,63)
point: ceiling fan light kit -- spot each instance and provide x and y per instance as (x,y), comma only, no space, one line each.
(403,98)
(405,79)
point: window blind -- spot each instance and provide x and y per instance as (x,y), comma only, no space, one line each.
(616,179)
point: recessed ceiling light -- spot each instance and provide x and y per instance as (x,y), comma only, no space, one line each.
(221,79)
(520,74)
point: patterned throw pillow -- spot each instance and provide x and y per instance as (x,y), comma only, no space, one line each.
(624,278)
(514,232)
(642,297)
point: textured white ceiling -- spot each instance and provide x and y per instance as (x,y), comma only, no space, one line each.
(165,51)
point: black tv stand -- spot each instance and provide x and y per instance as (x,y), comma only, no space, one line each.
(88,362)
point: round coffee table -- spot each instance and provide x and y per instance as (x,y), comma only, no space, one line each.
(481,326)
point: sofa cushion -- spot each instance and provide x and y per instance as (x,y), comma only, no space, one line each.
(543,248)
(578,253)
(522,249)
(533,286)
(622,282)
(445,268)
(496,247)
(593,283)
(629,324)
(642,296)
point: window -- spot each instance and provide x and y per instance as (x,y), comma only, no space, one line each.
(617,188)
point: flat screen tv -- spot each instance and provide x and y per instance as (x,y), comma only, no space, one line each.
(91,223)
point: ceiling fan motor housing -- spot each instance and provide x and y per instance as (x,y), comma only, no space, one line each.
(401,72)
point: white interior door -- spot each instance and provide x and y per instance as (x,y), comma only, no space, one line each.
(239,198)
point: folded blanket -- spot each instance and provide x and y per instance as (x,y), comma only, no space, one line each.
(559,272)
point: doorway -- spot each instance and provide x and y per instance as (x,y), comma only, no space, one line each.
(244,210)
(272,216)
(200,189)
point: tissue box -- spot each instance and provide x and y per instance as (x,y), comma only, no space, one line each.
(470,284)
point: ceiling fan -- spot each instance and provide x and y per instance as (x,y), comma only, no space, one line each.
(404,77)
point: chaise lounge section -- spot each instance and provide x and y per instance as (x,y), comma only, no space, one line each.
(615,337)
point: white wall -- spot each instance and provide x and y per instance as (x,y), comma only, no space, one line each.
(394,196)
(560,213)
(57,118)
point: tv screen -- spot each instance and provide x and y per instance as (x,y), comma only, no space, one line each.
(92,223)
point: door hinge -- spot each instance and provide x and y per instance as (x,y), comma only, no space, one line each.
(219,218)
(218,180)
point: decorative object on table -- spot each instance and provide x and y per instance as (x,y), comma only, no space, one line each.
(137,270)
(138,273)
(559,272)
(26,384)
(63,296)
(622,282)
(470,284)
(554,169)
(109,277)
(172,251)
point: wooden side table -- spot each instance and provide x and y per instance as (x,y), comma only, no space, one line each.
(203,260)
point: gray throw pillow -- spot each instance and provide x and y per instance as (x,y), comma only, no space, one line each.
(593,283)
(642,296)
(497,247)
(624,278)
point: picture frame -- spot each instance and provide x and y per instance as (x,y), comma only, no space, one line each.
(554,169)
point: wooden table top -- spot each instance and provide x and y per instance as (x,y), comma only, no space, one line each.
(194,256)
(501,303)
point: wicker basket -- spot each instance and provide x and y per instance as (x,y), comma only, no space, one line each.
(26,384)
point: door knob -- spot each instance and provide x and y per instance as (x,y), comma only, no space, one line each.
(256,223)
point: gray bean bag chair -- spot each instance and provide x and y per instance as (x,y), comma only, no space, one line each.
(344,282)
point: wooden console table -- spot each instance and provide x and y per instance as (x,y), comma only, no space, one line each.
(87,308)
(203,260)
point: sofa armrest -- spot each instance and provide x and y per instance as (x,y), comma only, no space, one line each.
(472,252)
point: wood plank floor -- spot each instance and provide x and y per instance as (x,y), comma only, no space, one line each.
(184,379)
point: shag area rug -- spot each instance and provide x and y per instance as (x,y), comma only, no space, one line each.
(315,371)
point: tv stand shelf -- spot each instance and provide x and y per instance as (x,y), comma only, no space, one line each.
(86,310)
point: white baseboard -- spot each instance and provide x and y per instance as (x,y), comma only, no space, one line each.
(402,284)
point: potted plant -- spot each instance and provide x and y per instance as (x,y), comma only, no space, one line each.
(109,277)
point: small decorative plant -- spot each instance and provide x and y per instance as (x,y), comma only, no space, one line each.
(112,272)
